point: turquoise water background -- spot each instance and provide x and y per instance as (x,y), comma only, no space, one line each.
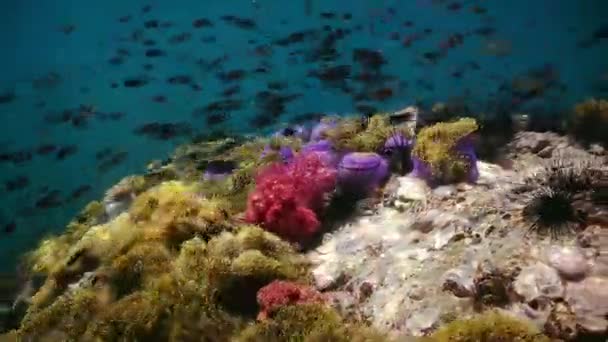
(540,32)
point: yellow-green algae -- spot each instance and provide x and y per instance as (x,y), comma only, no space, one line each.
(309,323)
(173,264)
(490,326)
(435,146)
(352,134)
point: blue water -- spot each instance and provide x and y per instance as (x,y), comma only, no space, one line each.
(539,32)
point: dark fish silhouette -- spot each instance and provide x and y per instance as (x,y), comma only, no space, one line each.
(49,200)
(17,183)
(112,161)
(135,82)
(242,23)
(124,19)
(202,22)
(66,151)
(164,131)
(155,53)
(46,149)
(7,97)
(80,191)
(103,153)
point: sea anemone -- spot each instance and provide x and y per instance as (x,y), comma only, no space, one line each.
(444,153)
(552,211)
(399,148)
(361,172)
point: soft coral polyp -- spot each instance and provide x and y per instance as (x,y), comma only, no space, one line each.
(288,197)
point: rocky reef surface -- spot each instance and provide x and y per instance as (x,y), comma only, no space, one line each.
(427,256)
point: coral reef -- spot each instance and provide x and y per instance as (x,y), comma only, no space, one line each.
(288,198)
(444,152)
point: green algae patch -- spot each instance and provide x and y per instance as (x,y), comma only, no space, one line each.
(308,322)
(490,326)
(363,135)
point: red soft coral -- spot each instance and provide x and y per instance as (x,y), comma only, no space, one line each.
(280,293)
(287,198)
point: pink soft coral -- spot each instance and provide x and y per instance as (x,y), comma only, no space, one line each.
(280,293)
(288,197)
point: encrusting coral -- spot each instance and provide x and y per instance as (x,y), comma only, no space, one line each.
(444,152)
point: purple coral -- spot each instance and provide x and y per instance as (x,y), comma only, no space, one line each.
(217,170)
(361,172)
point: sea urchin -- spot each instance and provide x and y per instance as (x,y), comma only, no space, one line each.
(552,211)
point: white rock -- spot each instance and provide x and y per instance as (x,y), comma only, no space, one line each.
(538,280)
(589,301)
(568,261)
(412,189)
(444,191)
(422,320)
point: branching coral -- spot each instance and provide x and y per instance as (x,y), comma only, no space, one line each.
(491,326)
(444,152)
(590,121)
(287,198)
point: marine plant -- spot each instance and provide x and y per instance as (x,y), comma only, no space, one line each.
(589,123)
(490,326)
(288,197)
(444,153)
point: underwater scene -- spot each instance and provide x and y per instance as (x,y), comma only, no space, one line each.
(262,170)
